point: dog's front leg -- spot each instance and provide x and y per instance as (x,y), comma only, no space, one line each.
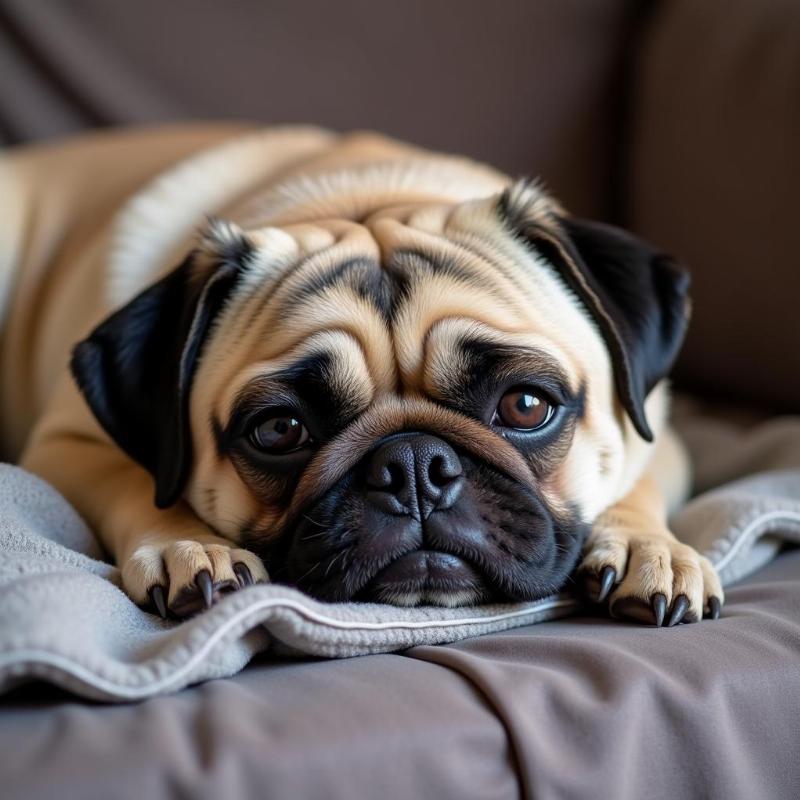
(634,562)
(169,558)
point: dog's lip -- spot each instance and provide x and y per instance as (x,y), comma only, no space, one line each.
(427,569)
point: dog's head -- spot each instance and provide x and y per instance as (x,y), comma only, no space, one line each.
(425,406)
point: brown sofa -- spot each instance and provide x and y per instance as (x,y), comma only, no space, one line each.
(678,119)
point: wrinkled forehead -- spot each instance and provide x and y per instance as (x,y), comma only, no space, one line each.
(392,307)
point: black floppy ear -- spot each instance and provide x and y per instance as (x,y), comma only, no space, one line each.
(136,368)
(637,296)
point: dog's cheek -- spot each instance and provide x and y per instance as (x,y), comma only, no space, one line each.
(586,480)
(314,552)
(515,547)
(241,507)
(515,522)
(230,506)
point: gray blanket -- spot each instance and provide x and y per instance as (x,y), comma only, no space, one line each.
(64,619)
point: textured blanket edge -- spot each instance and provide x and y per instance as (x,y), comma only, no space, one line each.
(279,618)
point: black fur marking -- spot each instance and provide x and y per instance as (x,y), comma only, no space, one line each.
(367,279)
(519,549)
(491,369)
(414,261)
(511,213)
(636,295)
(644,295)
(309,388)
(384,290)
(385,287)
(232,249)
(363,275)
(320,283)
(136,368)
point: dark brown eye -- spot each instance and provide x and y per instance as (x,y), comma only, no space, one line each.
(523,409)
(279,435)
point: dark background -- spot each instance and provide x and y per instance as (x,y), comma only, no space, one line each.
(679,119)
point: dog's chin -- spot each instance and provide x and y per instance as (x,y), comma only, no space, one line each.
(427,577)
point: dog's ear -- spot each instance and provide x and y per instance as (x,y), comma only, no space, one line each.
(136,368)
(637,296)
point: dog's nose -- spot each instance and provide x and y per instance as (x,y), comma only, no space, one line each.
(414,474)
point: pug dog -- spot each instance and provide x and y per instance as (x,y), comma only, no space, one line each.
(374,372)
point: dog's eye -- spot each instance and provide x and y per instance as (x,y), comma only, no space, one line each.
(523,409)
(279,435)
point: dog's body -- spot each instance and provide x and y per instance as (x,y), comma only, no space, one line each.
(396,375)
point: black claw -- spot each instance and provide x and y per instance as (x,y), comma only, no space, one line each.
(679,608)
(206,586)
(158,600)
(659,606)
(243,573)
(607,579)
(714,607)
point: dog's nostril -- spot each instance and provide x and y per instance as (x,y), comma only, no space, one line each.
(397,478)
(386,475)
(442,471)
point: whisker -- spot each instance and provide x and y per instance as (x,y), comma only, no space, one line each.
(333,561)
(318,564)
(314,535)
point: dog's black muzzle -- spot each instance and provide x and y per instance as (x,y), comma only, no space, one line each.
(416,522)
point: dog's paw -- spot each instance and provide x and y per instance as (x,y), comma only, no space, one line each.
(653,579)
(185,576)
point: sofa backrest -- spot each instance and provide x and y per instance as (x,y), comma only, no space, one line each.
(715,178)
(680,119)
(532,88)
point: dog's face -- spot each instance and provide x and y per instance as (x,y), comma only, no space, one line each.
(425,406)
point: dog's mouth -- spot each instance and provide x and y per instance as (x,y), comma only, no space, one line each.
(459,532)
(426,577)
(345,550)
